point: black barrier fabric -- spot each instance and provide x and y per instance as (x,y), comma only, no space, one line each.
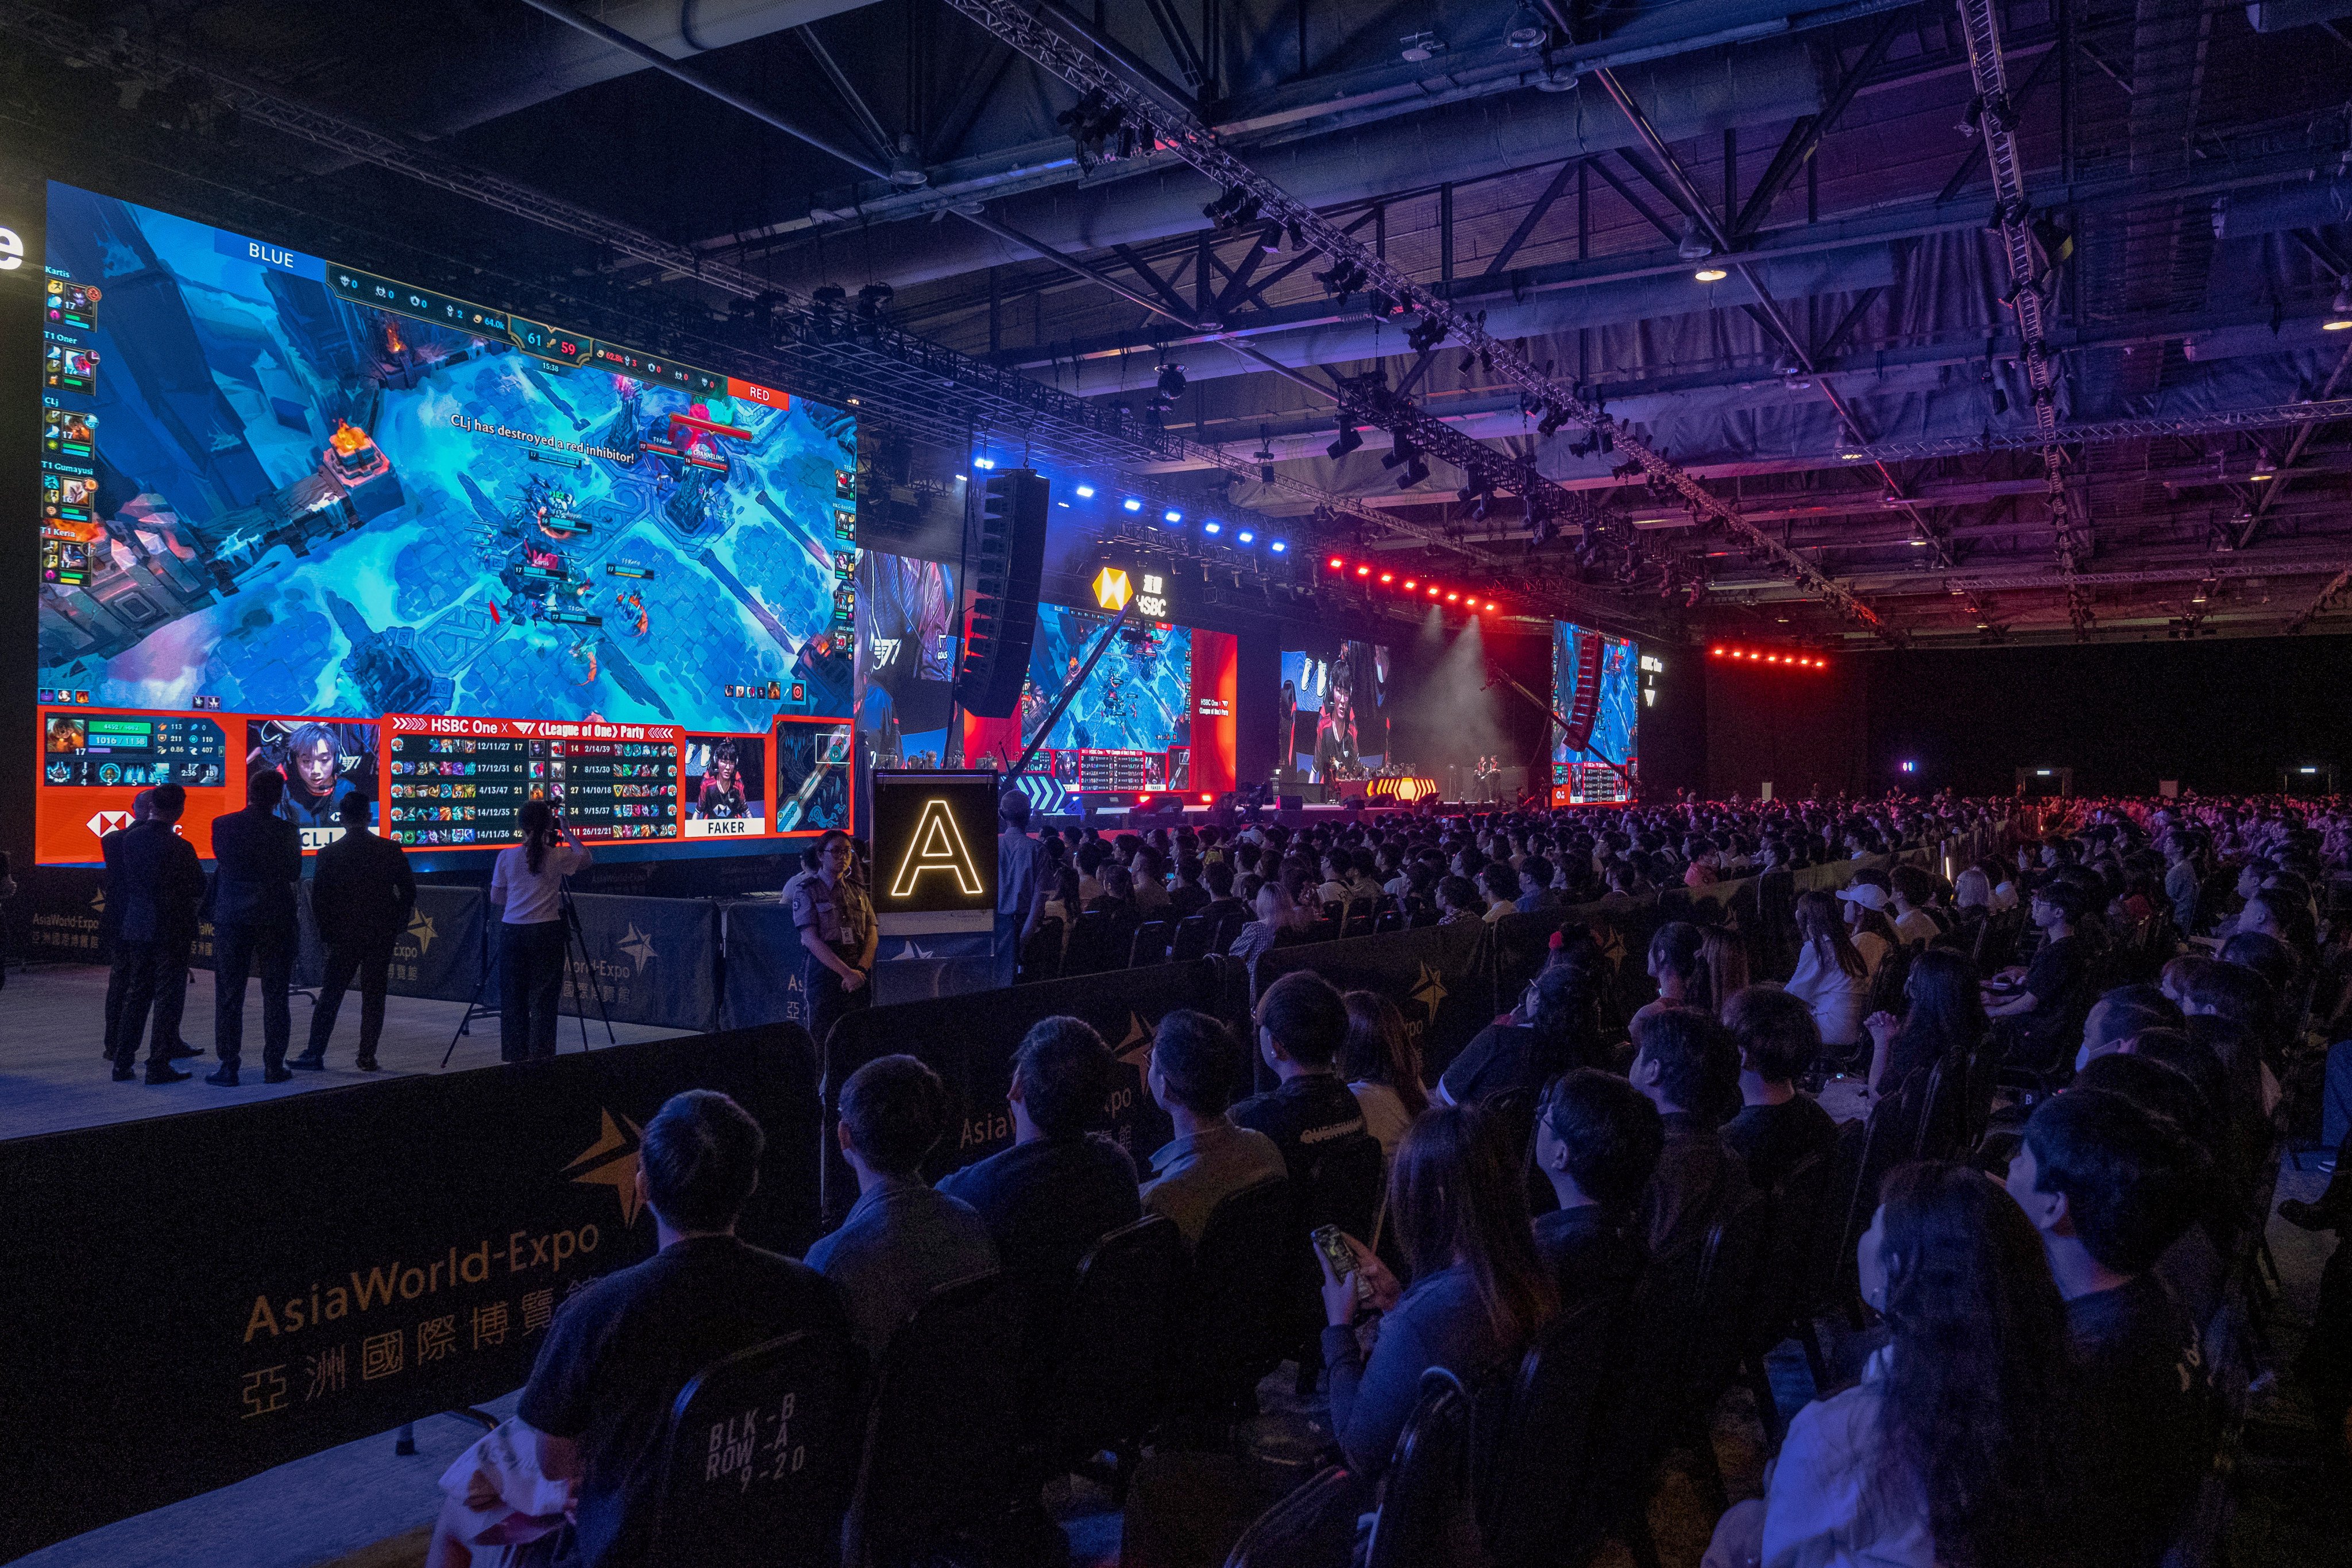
(945,963)
(657,960)
(191,1299)
(1439,976)
(764,982)
(970,1042)
(440,954)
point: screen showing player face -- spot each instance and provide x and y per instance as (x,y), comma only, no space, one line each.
(1594,685)
(276,484)
(1331,713)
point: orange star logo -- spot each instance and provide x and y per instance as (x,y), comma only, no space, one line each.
(611,1161)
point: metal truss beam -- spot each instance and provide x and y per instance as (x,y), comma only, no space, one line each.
(1995,115)
(2271,417)
(2324,602)
(1057,42)
(2281,477)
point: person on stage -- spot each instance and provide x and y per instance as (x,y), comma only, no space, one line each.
(527,884)
(361,896)
(110,917)
(837,933)
(154,883)
(257,860)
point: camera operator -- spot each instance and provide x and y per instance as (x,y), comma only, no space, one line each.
(527,887)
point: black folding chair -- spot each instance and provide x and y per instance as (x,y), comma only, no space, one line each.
(1790,1289)
(1232,1324)
(1532,1477)
(1041,955)
(1192,935)
(1149,944)
(941,1438)
(1387,921)
(1425,1519)
(1092,950)
(1729,1262)
(760,1456)
(1108,1388)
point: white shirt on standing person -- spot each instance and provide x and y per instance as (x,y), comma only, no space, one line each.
(533,898)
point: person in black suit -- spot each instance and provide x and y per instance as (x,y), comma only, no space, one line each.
(109,918)
(257,860)
(155,884)
(361,895)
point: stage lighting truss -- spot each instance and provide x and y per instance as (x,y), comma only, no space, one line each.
(1066,46)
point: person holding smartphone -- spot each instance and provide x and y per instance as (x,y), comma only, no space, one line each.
(527,884)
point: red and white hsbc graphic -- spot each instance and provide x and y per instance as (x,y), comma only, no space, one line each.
(458,782)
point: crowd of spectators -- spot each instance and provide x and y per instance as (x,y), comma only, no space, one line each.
(2076,1036)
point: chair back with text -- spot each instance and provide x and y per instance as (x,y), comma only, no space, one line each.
(941,1436)
(1425,1519)
(760,1457)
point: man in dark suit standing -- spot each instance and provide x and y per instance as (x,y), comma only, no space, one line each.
(257,860)
(109,918)
(360,894)
(155,883)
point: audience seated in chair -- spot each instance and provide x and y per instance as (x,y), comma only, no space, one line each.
(1778,1125)
(618,1353)
(2109,1187)
(902,1239)
(1195,1063)
(1301,1025)
(1478,1296)
(1956,1446)
(1597,1141)
(1383,1067)
(1687,1065)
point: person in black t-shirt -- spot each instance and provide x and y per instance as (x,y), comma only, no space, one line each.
(1301,1024)
(1059,1189)
(1559,1035)
(1597,1141)
(1686,1064)
(2110,1186)
(1777,1126)
(618,1354)
(2043,1014)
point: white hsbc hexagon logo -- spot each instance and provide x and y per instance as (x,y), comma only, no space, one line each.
(105,822)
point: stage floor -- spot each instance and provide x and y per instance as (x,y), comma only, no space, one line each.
(52,1077)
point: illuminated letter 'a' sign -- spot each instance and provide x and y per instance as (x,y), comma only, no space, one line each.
(936,845)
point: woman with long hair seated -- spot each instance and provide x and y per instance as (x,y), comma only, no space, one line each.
(1277,921)
(1831,974)
(1478,1294)
(1383,1067)
(1952,1451)
(1678,964)
(1943,1020)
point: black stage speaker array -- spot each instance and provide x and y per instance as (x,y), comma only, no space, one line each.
(1008,558)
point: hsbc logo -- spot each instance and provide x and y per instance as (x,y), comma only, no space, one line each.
(105,822)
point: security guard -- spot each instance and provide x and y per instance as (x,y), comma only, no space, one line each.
(837,932)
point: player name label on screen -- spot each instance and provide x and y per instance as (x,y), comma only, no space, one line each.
(462,782)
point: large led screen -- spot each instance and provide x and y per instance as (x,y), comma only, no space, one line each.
(292,511)
(1139,699)
(1331,713)
(1594,681)
(906,659)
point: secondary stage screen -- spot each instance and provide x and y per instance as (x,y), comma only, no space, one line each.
(906,659)
(1331,713)
(297,515)
(1594,685)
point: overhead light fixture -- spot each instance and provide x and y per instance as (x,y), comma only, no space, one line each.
(1348,441)
(1171,382)
(1694,245)
(1363,571)
(1247,537)
(983,462)
(1415,470)
(906,165)
(1172,515)
(1280,547)
(2342,303)
(1527,30)
(1132,504)
(1213,526)
(1086,492)
(1710,275)
(1422,46)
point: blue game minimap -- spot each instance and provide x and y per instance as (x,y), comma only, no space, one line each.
(286,501)
(1139,699)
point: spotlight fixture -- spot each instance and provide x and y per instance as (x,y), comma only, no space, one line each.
(1427,335)
(1401,450)
(1694,245)
(1213,526)
(983,462)
(1172,515)
(907,170)
(1415,470)
(1086,492)
(1554,417)
(1171,382)
(1280,547)
(1247,537)
(1344,277)
(1348,441)
(1336,562)
(1269,239)
(1527,30)
(1363,571)
(1422,46)
(1710,275)
(2341,305)
(875,298)
(1132,504)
